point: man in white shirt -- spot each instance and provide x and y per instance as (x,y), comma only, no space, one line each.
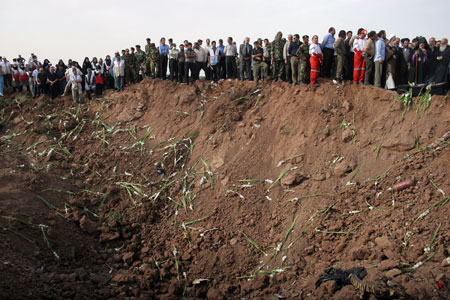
(77,93)
(6,68)
(69,73)
(208,71)
(119,71)
(230,58)
(287,59)
(201,59)
(208,45)
(31,58)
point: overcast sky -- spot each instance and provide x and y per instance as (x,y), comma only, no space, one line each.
(74,29)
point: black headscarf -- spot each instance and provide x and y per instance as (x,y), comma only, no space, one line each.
(86,64)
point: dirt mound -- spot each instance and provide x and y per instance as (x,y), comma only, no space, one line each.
(224,191)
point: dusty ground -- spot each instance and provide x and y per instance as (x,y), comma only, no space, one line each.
(223,192)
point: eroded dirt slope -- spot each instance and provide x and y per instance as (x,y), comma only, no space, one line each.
(223,191)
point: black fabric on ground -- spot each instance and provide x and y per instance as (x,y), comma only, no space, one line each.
(341,276)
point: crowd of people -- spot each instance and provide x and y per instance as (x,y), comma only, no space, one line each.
(369,58)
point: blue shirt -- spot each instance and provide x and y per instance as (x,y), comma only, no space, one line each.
(164,49)
(380,50)
(221,49)
(328,41)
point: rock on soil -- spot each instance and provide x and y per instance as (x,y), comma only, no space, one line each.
(292,179)
(343,167)
(88,225)
(393,273)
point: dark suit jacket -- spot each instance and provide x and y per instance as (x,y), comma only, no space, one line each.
(247,53)
(405,59)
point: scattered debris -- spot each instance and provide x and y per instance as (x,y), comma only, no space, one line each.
(404,184)
(341,276)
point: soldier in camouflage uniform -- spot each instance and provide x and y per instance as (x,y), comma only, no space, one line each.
(133,67)
(303,55)
(147,63)
(153,60)
(128,60)
(140,62)
(147,53)
(277,56)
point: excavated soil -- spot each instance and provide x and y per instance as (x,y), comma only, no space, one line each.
(223,191)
